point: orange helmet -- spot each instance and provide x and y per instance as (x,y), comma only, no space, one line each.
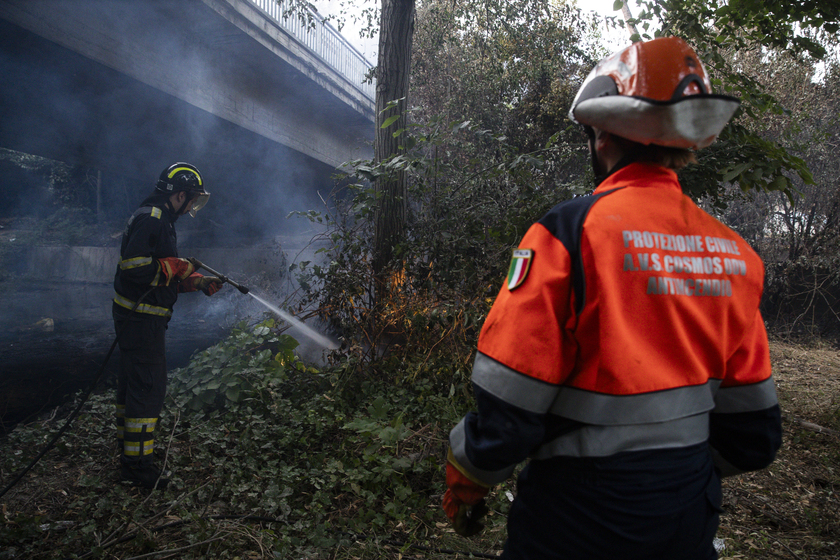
(656,92)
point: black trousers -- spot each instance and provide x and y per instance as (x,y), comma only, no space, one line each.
(141,382)
(661,505)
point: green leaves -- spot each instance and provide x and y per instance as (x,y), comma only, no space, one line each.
(236,370)
(319,453)
(747,45)
(389,121)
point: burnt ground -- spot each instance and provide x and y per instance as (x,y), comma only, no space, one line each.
(42,369)
(50,350)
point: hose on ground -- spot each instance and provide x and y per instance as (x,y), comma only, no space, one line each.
(78,409)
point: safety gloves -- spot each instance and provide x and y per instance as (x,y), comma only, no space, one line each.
(175,269)
(209,285)
(195,281)
(183,272)
(463,501)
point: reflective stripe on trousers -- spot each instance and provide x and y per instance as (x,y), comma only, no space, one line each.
(139,436)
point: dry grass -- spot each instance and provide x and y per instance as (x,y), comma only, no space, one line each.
(792,509)
(789,511)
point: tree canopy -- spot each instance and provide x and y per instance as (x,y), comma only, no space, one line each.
(723,35)
(487,146)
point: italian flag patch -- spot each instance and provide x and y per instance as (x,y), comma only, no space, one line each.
(519,266)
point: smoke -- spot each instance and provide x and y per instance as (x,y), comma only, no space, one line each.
(103,125)
(24,187)
(157,92)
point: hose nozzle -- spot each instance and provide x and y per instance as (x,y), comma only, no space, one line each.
(198,264)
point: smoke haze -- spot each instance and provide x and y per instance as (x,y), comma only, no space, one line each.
(149,94)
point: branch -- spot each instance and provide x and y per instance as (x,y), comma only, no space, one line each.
(628,20)
(810,426)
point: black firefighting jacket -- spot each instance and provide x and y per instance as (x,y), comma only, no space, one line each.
(149,235)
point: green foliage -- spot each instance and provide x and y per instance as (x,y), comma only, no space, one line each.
(793,223)
(744,158)
(334,454)
(488,150)
(776,23)
(339,452)
(465,214)
(724,36)
(742,24)
(317,455)
(510,67)
(225,375)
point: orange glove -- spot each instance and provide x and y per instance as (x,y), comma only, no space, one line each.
(463,501)
(175,269)
(195,281)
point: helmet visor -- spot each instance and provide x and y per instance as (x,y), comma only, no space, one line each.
(198,203)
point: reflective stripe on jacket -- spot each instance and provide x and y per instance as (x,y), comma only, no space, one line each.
(142,308)
(637,321)
(149,235)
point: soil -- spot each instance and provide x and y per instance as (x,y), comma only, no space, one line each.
(792,509)
(44,360)
(42,369)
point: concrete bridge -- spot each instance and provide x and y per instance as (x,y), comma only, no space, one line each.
(260,102)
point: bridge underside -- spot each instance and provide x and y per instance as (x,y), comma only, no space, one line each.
(59,104)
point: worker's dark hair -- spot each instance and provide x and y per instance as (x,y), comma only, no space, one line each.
(672,158)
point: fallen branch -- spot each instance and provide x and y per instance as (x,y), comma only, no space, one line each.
(810,426)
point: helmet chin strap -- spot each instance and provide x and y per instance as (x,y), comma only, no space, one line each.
(176,213)
(593,156)
(596,165)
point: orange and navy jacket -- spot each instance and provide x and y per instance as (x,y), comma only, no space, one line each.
(636,328)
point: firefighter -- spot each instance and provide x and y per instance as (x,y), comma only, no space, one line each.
(149,268)
(625,355)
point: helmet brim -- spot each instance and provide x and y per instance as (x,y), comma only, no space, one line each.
(690,122)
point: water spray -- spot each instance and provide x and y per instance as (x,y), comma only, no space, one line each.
(311,333)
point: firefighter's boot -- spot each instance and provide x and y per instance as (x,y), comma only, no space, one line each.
(137,461)
(148,476)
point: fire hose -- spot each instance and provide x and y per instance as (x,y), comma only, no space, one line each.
(197,264)
(78,408)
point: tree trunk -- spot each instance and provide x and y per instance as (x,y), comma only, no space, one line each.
(625,11)
(396,32)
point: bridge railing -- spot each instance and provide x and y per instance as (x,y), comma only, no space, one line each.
(324,41)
